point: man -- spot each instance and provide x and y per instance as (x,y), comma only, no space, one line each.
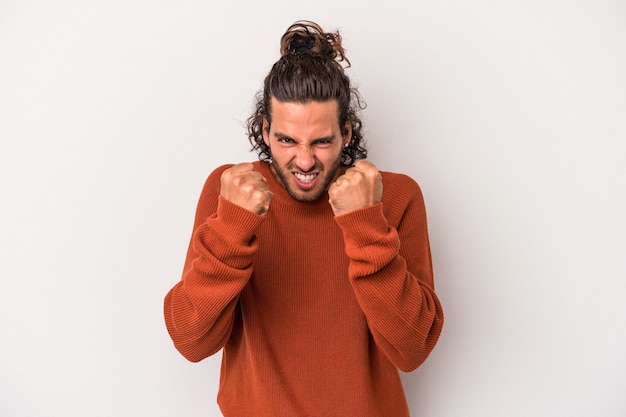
(309,268)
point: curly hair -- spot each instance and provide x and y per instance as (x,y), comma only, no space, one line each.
(310,69)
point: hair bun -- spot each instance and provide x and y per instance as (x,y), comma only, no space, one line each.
(306,37)
(300,44)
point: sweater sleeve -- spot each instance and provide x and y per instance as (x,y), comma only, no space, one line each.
(199,310)
(390,270)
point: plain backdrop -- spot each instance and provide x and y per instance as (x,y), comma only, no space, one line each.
(510,115)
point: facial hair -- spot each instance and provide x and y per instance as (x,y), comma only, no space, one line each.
(304,196)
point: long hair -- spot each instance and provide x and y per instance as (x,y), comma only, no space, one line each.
(310,69)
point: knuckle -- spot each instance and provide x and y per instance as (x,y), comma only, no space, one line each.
(227,174)
(237,181)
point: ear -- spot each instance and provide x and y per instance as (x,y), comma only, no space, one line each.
(266,131)
(347,133)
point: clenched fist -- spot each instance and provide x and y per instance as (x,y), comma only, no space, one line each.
(361,186)
(244,186)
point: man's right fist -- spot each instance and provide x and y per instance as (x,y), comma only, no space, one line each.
(244,186)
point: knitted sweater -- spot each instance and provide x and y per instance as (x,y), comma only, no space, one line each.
(315,313)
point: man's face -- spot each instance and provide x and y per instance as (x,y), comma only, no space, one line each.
(306,142)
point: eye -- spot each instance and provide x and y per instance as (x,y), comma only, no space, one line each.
(285,139)
(323,143)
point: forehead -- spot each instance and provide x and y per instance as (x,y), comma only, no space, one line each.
(320,114)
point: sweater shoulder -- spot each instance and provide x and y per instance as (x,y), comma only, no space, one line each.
(401,194)
(400,186)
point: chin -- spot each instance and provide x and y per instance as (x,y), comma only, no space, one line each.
(306,196)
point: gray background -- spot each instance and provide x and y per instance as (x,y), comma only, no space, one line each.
(509,114)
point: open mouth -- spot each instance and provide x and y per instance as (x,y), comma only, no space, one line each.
(305,180)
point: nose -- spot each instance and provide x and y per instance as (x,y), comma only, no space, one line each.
(305,159)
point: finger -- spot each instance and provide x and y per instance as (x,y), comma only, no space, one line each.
(245,173)
(235,171)
(242,167)
(364,165)
(256,178)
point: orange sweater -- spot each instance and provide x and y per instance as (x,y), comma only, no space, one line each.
(315,313)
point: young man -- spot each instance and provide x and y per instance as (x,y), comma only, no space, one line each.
(309,268)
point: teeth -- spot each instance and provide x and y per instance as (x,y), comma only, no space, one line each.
(304,177)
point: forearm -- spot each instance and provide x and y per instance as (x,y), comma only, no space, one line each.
(199,310)
(404,315)
(393,287)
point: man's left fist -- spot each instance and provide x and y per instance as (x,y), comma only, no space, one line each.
(361,186)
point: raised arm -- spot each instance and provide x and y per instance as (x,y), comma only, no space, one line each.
(200,309)
(391,272)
